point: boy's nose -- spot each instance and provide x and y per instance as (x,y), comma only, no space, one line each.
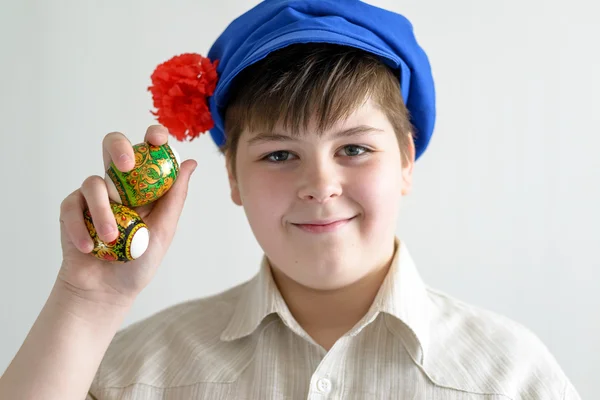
(320,186)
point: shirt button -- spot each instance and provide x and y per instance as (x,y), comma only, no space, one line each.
(324,385)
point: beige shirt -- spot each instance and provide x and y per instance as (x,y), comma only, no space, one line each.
(414,343)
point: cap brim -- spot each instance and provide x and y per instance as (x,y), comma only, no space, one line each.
(276,42)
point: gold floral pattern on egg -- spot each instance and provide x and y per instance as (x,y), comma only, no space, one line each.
(128,223)
(156,169)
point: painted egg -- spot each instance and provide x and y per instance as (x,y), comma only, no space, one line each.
(133,237)
(156,169)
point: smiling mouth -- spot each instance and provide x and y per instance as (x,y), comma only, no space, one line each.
(324,226)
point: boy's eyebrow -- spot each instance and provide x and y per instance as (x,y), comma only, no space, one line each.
(278,137)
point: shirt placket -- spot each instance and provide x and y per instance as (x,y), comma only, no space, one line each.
(327,380)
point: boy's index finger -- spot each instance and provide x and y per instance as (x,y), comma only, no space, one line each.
(156,135)
(118,149)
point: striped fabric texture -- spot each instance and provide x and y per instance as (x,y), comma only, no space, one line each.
(414,343)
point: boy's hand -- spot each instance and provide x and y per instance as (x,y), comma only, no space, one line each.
(114,283)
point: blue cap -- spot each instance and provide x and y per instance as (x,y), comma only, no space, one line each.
(274,24)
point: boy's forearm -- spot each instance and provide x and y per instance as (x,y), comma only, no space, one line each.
(63,350)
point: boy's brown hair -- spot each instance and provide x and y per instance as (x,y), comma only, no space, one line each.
(321,80)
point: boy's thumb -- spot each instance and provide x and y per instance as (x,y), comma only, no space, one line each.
(192,167)
(180,187)
(168,208)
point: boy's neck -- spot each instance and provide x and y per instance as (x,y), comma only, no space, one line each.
(326,315)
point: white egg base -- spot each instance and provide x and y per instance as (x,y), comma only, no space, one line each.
(139,243)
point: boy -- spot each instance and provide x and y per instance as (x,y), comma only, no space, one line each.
(321,110)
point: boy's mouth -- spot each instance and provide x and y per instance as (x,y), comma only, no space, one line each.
(323,226)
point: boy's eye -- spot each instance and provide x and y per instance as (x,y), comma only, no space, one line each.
(278,156)
(354,150)
(281,156)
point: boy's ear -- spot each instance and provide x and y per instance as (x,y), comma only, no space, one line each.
(407,170)
(233,185)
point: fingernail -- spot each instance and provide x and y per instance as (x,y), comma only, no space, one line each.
(124,158)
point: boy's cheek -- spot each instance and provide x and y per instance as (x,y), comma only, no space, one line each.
(266,199)
(267,186)
(375,182)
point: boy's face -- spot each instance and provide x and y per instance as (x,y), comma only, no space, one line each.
(324,209)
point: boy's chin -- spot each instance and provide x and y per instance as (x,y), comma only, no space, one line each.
(322,267)
(332,249)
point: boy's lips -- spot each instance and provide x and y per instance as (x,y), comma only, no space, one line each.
(323,226)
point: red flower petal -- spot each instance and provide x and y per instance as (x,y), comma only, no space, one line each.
(180,90)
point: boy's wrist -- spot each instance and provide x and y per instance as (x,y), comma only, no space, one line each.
(89,307)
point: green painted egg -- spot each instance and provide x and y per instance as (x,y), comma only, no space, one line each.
(156,169)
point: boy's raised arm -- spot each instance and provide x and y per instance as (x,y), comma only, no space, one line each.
(64,348)
(90,298)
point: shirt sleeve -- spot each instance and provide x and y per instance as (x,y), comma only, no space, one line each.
(90,396)
(570,392)
(92,390)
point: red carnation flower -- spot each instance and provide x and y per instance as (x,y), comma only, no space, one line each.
(180,90)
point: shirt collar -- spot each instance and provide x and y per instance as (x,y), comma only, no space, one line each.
(402,295)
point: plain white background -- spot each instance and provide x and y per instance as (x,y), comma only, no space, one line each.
(504,214)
